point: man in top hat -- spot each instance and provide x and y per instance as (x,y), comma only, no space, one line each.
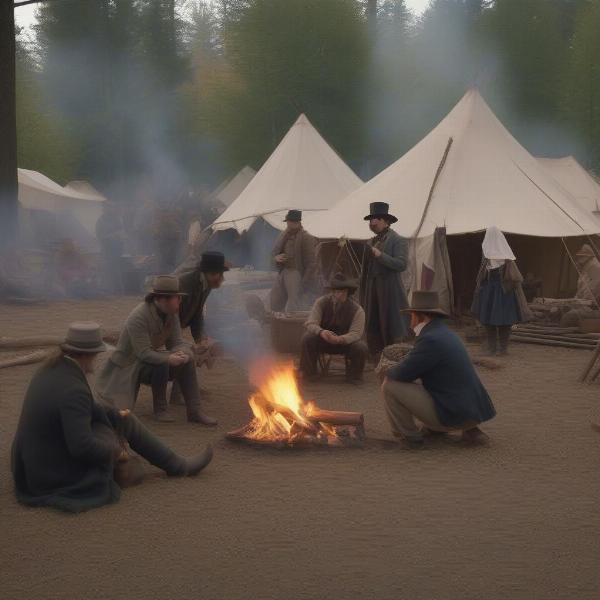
(588,284)
(140,358)
(450,396)
(68,449)
(196,284)
(381,289)
(336,325)
(294,254)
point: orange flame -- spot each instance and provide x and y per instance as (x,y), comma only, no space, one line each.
(279,411)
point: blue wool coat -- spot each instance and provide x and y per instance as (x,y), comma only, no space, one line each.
(440,360)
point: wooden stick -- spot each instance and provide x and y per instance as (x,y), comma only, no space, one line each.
(590,363)
(546,342)
(27,359)
(11,343)
(334,417)
(558,338)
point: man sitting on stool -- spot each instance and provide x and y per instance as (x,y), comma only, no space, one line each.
(140,359)
(335,326)
(451,398)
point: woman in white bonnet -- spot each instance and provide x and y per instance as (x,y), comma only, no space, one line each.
(499,301)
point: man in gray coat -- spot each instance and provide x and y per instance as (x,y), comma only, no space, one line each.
(140,359)
(294,255)
(382,292)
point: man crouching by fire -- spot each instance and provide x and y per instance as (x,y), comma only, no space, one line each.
(69,452)
(140,359)
(451,397)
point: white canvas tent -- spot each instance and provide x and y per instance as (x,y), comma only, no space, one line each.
(465,175)
(303,173)
(230,189)
(576,180)
(38,192)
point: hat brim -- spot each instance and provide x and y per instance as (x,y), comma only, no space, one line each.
(94,350)
(389,218)
(204,269)
(428,311)
(151,295)
(292,220)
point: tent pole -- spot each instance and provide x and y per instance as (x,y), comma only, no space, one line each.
(426,209)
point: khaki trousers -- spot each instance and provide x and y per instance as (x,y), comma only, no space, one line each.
(286,292)
(406,401)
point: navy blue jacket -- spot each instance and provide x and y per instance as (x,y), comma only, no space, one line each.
(440,360)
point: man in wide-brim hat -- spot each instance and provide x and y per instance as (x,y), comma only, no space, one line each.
(294,255)
(381,288)
(450,396)
(68,449)
(336,325)
(151,351)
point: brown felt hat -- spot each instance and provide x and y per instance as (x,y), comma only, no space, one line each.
(85,338)
(165,285)
(340,282)
(426,302)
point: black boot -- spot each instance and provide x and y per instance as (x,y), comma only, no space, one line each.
(197,463)
(503,336)
(492,337)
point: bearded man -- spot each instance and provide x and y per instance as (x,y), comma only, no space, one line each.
(382,291)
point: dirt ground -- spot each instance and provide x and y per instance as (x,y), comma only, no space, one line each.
(516,520)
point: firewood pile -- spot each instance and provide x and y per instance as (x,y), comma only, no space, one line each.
(552,335)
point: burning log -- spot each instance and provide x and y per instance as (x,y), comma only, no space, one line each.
(282,419)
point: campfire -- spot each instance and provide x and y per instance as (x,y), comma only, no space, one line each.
(282,418)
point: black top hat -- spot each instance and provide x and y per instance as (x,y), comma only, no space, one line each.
(380,210)
(426,302)
(212,262)
(294,215)
(340,282)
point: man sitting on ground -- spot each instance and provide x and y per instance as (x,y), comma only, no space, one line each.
(139,357)
(67,445)
(451,396)
(335,325)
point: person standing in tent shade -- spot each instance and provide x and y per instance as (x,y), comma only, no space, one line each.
(382,292)
(295,257)
(588,266)
(499,301)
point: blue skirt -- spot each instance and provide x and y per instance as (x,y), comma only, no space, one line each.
(497,307)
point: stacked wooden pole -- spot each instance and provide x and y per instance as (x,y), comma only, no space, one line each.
(564,337)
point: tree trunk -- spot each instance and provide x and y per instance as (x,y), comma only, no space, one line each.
(8,127)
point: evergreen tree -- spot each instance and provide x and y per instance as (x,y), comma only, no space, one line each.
(287,58)
(582,90)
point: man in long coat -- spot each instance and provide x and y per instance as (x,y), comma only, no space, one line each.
(294,255)
(450,396)
(382,292)
(67,446)
(140,359)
